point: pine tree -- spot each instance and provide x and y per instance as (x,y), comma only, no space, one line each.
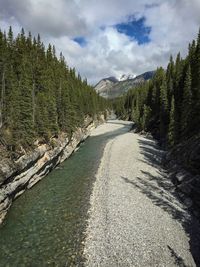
(173,97)
(10,37)
(164,115)
(146,117)
(25,130)
(171,133)
(2,77)
(39,95)
(186,105)
(196,89)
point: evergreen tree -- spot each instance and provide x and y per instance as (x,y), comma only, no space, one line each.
(196,89)
(164,115)
(166,104)
(146,117)
(171,133)
(39,95)
(186,105)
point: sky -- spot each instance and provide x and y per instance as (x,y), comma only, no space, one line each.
(103,38)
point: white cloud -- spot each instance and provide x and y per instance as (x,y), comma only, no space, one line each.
(49,17)
(174,23)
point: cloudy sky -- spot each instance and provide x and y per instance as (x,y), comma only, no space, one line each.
(102,38)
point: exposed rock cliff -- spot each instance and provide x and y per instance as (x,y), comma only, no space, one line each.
(112,87)
(21,174)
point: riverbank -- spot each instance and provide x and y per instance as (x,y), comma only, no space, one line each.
(46,225)
(136,218)
(19,175)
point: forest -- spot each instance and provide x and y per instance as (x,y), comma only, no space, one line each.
(40,96)
(168,106)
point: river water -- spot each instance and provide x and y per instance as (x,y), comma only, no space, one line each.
(45,226)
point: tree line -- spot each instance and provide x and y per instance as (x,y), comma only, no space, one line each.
(40,95)
(169,104)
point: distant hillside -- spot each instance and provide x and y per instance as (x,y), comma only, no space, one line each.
(111,87)
(103,87)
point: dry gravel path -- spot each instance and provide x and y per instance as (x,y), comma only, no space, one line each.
(135,217)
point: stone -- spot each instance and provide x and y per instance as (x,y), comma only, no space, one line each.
(188,202)
(183,176)
(174,167)
(186,187)
(172,177)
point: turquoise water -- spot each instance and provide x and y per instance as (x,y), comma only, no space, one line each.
(45,226)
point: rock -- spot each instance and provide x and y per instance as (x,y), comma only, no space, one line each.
(197,180)
(186,187)
(188,202)
(196,212)
(197,202)
(174,167)
(182,176)
(172,177)
(168,158)
(196,194)
(181,195)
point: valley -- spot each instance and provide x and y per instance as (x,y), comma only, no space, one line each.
(110,204)
(103,175)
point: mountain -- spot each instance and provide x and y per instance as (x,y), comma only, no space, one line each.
(126,77)
(103,87)
(111,87)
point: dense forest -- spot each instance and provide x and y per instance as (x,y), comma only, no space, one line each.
(40,95)
(169,104)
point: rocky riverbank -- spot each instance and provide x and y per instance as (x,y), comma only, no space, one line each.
(16,176)
(183,165)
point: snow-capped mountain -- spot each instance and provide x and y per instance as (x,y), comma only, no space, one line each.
(112,87)
(125,77)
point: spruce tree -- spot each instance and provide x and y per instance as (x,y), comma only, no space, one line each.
(39,95)
(146,117)
(196,89)
(164,115)
(171,132)
(186,105)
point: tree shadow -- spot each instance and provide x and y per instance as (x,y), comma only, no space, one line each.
(118,122)
(161,191)
(152,155)
(177,259)
(160,198)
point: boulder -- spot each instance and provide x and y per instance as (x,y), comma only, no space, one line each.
(188,202)
(186,187)
(183,176)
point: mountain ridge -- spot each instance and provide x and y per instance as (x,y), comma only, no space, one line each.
(112,87)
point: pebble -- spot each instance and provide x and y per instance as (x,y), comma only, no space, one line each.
(131,219)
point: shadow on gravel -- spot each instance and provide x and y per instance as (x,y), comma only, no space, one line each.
(113,133)
(159,197)
(160,190)
(177,259)
(119,123)
(152,155)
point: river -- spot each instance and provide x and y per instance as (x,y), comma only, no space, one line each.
(45,226)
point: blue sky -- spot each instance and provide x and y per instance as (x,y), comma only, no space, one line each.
(80,40)
(135,29)
(108,37)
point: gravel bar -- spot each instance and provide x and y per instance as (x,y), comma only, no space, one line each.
(135,218)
